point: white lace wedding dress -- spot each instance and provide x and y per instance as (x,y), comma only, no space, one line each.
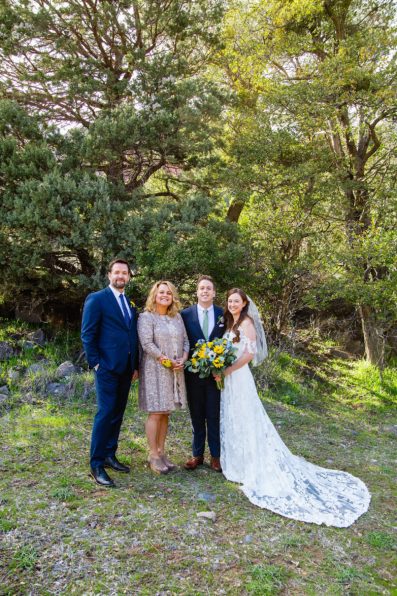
(253,454)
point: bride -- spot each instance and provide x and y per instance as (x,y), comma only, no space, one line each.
(252,452)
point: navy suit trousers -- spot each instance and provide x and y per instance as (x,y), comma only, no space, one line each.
(204,405)
(112,391)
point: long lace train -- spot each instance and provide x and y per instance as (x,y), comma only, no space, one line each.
(253,454)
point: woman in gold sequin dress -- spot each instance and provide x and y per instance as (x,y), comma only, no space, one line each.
(165,349)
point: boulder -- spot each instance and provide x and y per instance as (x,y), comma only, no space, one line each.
(4,390)
(89,389)
(57,389)
(387,428)
(66,369)
(3,398)
(37,337)
(206,496)
(6,350)
(28,345)
(14,374)
(211,515)
(60,389)
(37,367)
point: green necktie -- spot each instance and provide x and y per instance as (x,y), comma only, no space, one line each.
(205,323)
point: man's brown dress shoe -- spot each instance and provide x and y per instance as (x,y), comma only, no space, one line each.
(193,462)
(215,464)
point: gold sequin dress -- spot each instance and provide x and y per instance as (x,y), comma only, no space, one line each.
(161,389)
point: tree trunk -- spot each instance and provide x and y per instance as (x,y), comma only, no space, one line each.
(235,209)
(373,336)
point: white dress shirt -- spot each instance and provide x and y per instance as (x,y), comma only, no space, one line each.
(126,301)
(211,317)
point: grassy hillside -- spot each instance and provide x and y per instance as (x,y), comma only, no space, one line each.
(62,534)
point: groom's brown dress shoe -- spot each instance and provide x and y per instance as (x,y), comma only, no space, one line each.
(193,462)
(216,464)
(101,477)
(115,464)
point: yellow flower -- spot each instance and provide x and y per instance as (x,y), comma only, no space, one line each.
(219,350)
(194,361)
(217,363)
(201,354)
(166,363)
(210,344)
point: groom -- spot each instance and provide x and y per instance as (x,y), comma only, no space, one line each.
(203,321)
(110,340)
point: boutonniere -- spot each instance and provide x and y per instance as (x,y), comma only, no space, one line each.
(132,304)
(220,321)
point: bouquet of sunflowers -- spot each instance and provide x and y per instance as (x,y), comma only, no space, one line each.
(212,357)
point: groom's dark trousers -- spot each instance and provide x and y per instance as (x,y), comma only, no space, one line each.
(202,394)
(113,344)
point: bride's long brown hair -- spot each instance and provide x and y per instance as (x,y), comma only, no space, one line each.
(228,317)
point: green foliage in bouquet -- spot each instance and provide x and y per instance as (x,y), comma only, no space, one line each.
(212,357)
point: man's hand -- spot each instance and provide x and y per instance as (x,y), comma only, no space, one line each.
(96,367)
(135,375)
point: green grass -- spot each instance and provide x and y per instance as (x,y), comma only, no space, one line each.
(61,533)
(266,579)
(24,558)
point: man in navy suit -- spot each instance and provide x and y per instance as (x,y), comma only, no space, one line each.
(203,321)
(110,340)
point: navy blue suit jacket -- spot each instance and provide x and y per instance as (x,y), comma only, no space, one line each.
(193,327)
(107,339)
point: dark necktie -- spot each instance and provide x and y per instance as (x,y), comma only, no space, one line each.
(125,310)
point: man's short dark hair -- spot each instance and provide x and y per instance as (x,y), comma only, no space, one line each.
(123,261)
(205,278)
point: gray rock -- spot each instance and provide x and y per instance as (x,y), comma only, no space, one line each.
(4,390)
(3,398)
(57,389)
(211,515)
(248,539)
(207,497)
(89,390)
(390,428)
(6,350)
(28,345)
(66,369)
(14,374)
(37,367)
(37,337)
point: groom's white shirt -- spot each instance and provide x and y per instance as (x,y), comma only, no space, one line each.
(211,317)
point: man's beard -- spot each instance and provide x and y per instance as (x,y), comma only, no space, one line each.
(119,284)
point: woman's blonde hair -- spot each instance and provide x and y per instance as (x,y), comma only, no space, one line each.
(174,307)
